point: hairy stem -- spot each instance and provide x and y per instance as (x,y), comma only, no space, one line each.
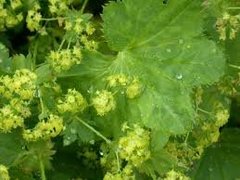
(84,6)
(61,45)
(233,8)
(94,130)
(234,66)
(42,169)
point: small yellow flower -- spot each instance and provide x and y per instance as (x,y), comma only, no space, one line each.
(134,89)
(4,175)
(73,102)
(104,102)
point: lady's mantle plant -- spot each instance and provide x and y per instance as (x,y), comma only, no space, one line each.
(137,93)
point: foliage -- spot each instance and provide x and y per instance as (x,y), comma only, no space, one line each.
(140,90)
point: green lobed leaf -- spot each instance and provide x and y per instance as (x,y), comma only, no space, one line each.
(221,161)
(163,46)
(169,57)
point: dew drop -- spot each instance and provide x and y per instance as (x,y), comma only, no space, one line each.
(66,142)
(122,92)
(180,41)
(169,50)
(92,142)
(73,131)
(179,76)
(189,46)
(101,153)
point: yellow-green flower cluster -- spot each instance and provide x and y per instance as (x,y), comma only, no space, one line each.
(22,85)
(15,4)
(20,107)
(18,90)
(9,119)
(184,153)
(9,17)
(104,102)
(134,147)
(82,30)
(45,129)
(125,174)
(63,60)
(4,175)
(133,87)
(72,103)
(59,7)
(228,25)
(209,132)
(174,175)
(33,18)
(118,80)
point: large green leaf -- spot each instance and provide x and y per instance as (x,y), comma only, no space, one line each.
(163,46)
(170,35)
(221,161)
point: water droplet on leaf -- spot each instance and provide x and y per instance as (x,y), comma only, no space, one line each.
(180,41)
(179,76)
(92,142)
(66,142)
(73,131)
(169,50)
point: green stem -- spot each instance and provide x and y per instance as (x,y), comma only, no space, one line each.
(52,19)
(186,139)
(234,66)
(233,8)
(61,45)
(203,111)
(35,54)
(84,6)
(118,163)
(94,130)
(42,169)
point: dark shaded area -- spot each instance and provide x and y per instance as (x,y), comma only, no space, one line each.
(16,39)
(68,165)
(165,1)
(96,6)
(234,120)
